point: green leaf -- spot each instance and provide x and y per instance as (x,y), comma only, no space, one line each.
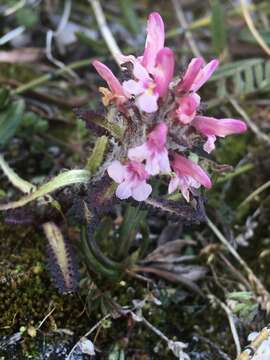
(240,78)
(27,17)
(218,27)
(64,179)
(96,158)
(131,19)
(247,36)
(4,97)
(98,47)
(133,218)
(10,119)
(34,122)
(100,124)
(16,180)
(228,70)
(91,260)
(116,353)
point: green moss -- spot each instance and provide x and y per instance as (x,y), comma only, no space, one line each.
(232,149)
(27,294)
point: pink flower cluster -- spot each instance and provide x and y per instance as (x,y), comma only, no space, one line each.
(148,89)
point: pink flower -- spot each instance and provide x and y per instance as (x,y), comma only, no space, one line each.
(153,71)
(146,88)
(196,75)
(187,108)
(131,179)
(192,81)
(153,151)
(163,71)
(154,41)
(212,127)
(116,92)
(188,175)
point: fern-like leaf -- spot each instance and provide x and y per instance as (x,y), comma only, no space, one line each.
(240,78)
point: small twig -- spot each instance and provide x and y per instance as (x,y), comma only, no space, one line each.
(11,35)
(231,322)
(255,193)
(45,318)
(188,34)
(205,21)
(138,276)
(105,31)
(154,329)
(177,347)
(214,346)
(11,10)
(259,287)
(170,277)
(87,334)
(52,75)
(238,171)
(52,34)
(252,28)
(260,135)
(234,271)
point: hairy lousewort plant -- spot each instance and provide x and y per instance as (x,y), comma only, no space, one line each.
(160,118)
(150,127)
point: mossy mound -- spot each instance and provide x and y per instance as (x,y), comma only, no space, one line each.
(27,294)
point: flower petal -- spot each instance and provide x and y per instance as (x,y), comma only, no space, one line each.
(154,40)
(163,72)
(117,171)
(192,71)
(186,167)
(138,153)
(184,187)
(197,98)
(157,137)
(174,184)
(126,58)
(209,145)
(133,87)
(204,75)
(109,77)
(219,127)
(164,162)
(187,108)
(147,103)
(152,165)
(142,191)
(123,190)
(136,171)
(141,73)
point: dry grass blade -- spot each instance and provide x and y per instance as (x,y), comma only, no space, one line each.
(252,27)
(255,193)
(260,135)
(182,21)
(105,30)
(231,322)
(22,55)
